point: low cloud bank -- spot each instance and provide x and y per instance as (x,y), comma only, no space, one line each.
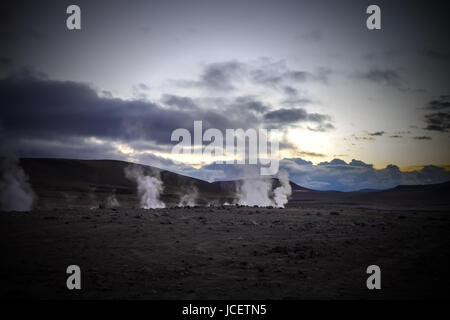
(333,175)
(357,175)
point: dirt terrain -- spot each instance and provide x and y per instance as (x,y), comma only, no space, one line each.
(317,248)
(310,251)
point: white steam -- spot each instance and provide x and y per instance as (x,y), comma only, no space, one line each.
(258,191)
(111,201)
(188,200)
(16,193)
(149,188)
(281,194)
(255,192)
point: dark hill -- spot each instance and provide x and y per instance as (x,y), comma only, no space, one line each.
(89,183)
(403,196)
(69,182)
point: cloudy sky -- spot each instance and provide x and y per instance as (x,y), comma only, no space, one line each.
(310,69)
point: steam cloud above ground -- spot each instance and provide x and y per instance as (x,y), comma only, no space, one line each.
(111,201)
(188,199)
(149,187)
(255,192)
(16,193)
(258,191)
(282,193)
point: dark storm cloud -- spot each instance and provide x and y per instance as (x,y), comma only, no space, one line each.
(179,102)
(303,76)
(107,94)
(269,76)
(220,76)
(311,154)
(294,98)
(139,91)
(282,117)
(291,92)
(288,145)
(48,109)
(422,138)
(62,147)
(251,103)
(359,138)
(319,118)
(285,144)
(378,133)
(442,103)
(438,121)
(223,76)
(50,116)
(322,127)
(334,162)
(382,76)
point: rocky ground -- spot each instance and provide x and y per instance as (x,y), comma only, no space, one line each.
(311,251)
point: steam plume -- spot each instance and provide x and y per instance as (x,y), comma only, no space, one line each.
(189,198)
(16,193)
(257,191)
(149,188)
(282,193)
(111,201)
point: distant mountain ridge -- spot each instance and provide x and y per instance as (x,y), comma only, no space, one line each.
(431,196)
(336,174)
